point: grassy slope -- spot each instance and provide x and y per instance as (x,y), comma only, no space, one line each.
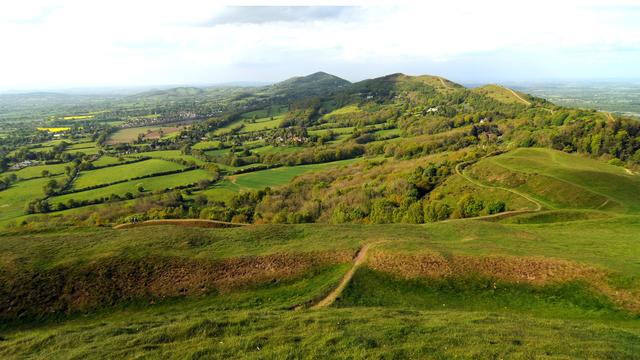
(610,182)
(502,94)
(257,180)
(240,322)
(562,181)
(14,199)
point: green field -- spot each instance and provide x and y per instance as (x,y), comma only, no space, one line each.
(150,184)
(123,172)
(562,180)
(105,160)
(262,124)
(14,199)
(36,171)
(170,155)
(206,145)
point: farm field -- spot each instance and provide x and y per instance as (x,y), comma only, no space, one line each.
(169,155)
(30,172)
(106,160)
(123,172)
(155,183)
(14,199)
(129,135)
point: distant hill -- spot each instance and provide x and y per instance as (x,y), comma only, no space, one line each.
(503,94)
(315,84)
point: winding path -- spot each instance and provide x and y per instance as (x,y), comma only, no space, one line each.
(518,96)
(335,293)
(506,213)
(443,83)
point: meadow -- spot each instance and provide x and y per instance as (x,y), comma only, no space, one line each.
(124,172)
(14,199)
(150,184)
(129,135)
(169,155)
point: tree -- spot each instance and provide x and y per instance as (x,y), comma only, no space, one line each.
(414,214)
(468,206)
(50,187)
(436,211)
(382,211)
(495,207)
(203,184)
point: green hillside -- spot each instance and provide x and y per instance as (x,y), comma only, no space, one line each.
(529,276)
(503,94)
(395,217)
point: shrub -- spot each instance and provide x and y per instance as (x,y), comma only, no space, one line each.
(436,211)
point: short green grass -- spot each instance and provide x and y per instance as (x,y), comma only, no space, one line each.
(569,180)
(378,315)
(149,184)
(123,172)
(14,199)
(36,171)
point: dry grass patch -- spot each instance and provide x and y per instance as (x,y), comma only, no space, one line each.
(537,271)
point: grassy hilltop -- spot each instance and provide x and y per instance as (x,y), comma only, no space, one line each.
(396,217)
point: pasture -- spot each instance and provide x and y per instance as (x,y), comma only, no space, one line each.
(563,180)
(156,183)
(14,199)
(123,172)
(129,135)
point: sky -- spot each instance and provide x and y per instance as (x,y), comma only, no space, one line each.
(50,44)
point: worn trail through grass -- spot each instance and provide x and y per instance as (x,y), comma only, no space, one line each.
(335,293)
(506,213)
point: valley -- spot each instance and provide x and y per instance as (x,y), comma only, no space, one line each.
(395,217)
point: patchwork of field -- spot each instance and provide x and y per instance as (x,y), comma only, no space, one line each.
(123,172)
(129,135)
(149,184)
(258,180)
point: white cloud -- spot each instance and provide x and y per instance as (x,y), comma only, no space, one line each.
(81,43)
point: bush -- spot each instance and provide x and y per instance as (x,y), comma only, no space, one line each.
(414,214)
(495,207)
(382,211)
(436,211)
(468,206)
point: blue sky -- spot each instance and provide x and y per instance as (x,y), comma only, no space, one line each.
(72,43)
